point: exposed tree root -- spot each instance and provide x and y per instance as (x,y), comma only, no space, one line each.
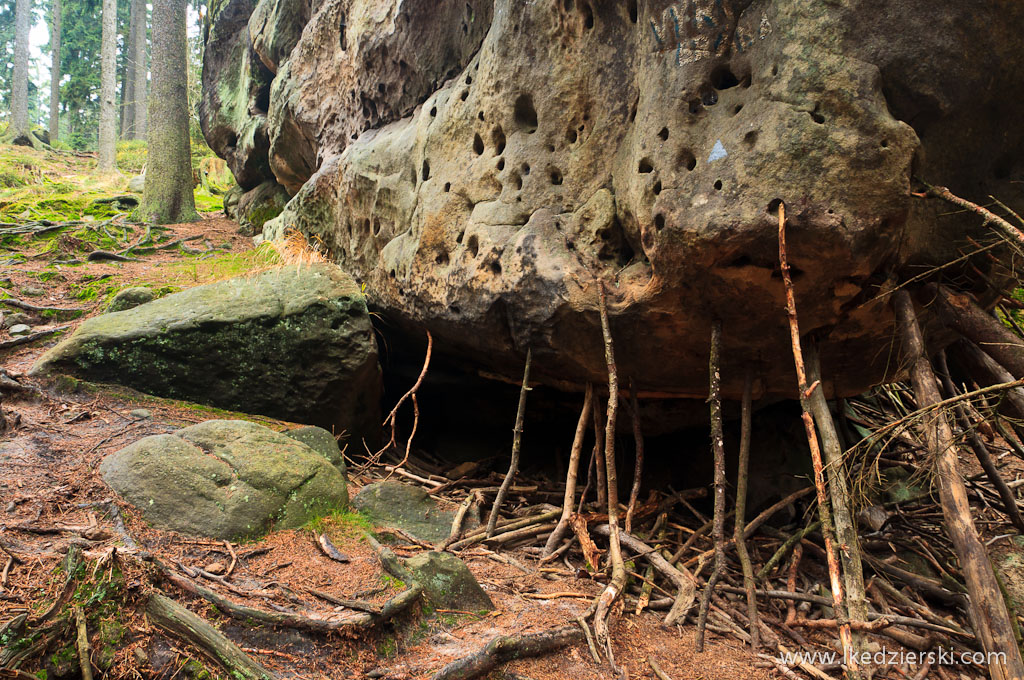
(509,647)
(180,623)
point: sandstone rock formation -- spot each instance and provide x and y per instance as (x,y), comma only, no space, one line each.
(479,165)
(228,479)
(290,342)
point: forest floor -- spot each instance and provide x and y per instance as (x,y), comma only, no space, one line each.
(49,488)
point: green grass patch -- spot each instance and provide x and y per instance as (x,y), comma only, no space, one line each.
(340,524)
(196,271)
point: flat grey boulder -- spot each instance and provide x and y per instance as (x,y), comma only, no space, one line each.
(226,479)
(408,508)
(291,342)
(448,582)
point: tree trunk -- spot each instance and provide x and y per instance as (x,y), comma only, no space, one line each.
(123,76)
(55,19)
(139,70)
(128,80)
(168,196)
(108,76)
(19,75)
(992,624)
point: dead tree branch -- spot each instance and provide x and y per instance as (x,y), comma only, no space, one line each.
(742,477)
(993,626)
(824,509)
(718,452)
(517,438)
(570,478)
(613,591)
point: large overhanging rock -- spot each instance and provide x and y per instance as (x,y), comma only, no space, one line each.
(479,168)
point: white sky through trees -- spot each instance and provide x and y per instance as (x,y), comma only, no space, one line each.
(39,54)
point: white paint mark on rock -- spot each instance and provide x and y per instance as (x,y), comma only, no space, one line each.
(717,152)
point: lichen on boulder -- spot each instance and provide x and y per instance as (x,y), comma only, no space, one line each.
(290,342)
(228,479)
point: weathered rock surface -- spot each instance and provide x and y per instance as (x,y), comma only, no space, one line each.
(291,342)
(407,507)
(448,582)
(256,206)
(321,441)
(130,297)
(228,479)
(478,165)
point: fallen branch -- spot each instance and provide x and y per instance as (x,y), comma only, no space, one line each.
(742,476)
(82,644)
(981,452)
(638,468)
(684,581)
(964,315)
(988,216)
(613,591)
(328,548)
(507,648)
(31,337)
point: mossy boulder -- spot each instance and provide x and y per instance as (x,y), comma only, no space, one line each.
(408,508)
(259,205)
(448,582)
(130,297)
(291,342)
(321,441)
(226,479)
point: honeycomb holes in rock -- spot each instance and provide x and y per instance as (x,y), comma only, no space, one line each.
(524,114)
(687,159)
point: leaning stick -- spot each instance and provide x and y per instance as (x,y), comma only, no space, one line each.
(638,468)
(570,477)
(742,477)
(617,584)
(517,435)
(718,451)
(841,498)
(824,509)
(992,623)
(393,416)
